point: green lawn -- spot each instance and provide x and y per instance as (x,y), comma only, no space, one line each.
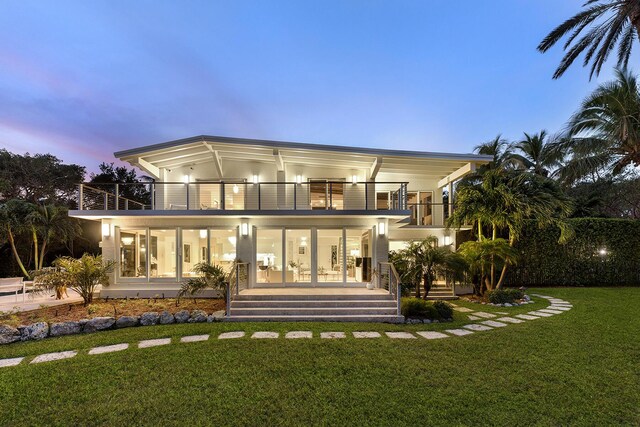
(578,368)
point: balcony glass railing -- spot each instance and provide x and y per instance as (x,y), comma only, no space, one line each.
(242,195)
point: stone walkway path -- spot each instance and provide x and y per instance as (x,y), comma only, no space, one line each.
(557,306)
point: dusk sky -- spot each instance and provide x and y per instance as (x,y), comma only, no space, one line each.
(83,79)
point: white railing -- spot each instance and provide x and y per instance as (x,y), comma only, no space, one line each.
(389,279)
(239,281)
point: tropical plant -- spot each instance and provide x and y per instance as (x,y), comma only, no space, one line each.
(425,261)
(484,257)
(13,214)
(604,134)
(596,31)
(82,275)
(537,154)
(210,276)
(50,223)
(499,148)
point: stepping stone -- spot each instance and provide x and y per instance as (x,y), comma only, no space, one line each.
(109,348)
(459,332)
(230,335)
(431,335)
(540,313)
(194,338)
(463,309)
(547,310)
(477,328)
(562,304)
(49,357)
(366,335)
(526,316)
(299,334)
(265,335)
(400,335)
(558,301)
(5,363)
(484,315)
(332,335)
(154,343)
(501,312)
(494,324)
(560,307)
(510,320)
(543,296)
(474,317)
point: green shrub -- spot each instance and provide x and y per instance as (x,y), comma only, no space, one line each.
(418,308)
(444,309)
(501,296)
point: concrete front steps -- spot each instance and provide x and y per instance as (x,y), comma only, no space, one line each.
(441,293)
(314,308)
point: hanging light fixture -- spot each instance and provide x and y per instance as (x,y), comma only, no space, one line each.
(235,189)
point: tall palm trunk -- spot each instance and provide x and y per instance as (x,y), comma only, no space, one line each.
(34,236)
(42,252)
(15,253)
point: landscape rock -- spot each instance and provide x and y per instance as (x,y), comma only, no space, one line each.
(37,331)
(99,324)
(426,321)
(149,318)
(216,316)
(8,334)
(127,321)
(506,304)
(414,321)
(64,328)
(166,318)
(527,298)
(83,322)
(182,316)
(198,316)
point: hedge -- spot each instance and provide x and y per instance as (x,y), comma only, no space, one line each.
(603,252)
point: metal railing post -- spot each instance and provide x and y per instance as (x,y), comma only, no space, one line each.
(237,279)
(187,195)
(330,195)
(222,195)
(117,197)
(260,197)
(228,298)
(152,190)
(366,196)
(106,201)
(295,196)
(80,197)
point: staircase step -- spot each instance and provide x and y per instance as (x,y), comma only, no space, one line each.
(314,297)
(284,303)
(314,311)
(319,318)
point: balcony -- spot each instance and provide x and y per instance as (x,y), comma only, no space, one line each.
(232,196)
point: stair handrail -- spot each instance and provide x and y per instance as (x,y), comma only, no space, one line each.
(233,289)
(394,288)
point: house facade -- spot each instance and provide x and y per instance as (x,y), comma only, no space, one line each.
(295,215)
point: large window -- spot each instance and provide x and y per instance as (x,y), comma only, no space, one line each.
(330,256)
(222,244)
(358,255)
(162,244)
(269,256)
(133,256)
(326,195)
(298,256)
(194,250)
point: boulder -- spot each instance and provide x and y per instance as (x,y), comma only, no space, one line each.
(166,318)
(426,320)
(99,324)
(182,316)
(8,334)
(149,318)
(216,316)
(127,321)
(198,316)
(64,328)
(37,331)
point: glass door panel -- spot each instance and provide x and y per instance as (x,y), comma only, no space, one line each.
(298,256)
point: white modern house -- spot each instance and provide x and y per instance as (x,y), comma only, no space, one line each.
(293,219)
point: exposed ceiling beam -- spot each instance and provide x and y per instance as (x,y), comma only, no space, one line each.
(279,161)
(375,167)
(217,162)
(152,170)
(457,174)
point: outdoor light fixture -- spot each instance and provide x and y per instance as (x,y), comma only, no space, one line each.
(354,179)
(298,179)
(447,240)
(244,229)
(127,241)
(256,179)
(381,228)
(186,179)
(203,234)
(235,189)
(106,230)
(602,251)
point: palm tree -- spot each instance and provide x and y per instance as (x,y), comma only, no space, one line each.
(425,261)
(210,277)
(497,147)
(536,154)
(604,134)
(596,31)
(50,223)
(483,257)
(13,214)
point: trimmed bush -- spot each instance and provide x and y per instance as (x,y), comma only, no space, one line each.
(418,308)
(502,296)
(604,252)
(444,309)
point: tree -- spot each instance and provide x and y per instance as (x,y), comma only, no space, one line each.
(134,187)
(424,261)
(499,148)
(503,201)
(536,154)
(604,134)
(482,257)
(210,277)
(13,224)
(596,31)
(81,275)
(50,223)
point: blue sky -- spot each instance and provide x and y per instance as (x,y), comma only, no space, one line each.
(83,79)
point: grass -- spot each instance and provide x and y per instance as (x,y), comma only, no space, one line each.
(578,368)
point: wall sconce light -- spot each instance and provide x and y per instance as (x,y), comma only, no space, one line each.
(298,179)
(186,179)
(447,240)
(203,234)
(244,229)
(106,230)
(235,189)
(256,179)
(381,228)
(354,179)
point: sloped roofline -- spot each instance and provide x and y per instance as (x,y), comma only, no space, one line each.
(300,146)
